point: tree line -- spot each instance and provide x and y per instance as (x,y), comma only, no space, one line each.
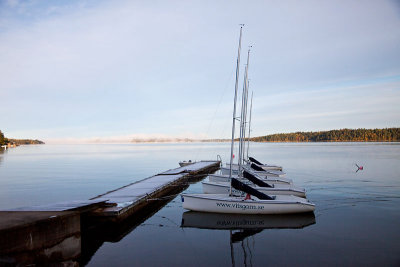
(342,135)
(5,141)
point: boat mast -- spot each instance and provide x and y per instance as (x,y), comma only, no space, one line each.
(241,125)
(234,104)
(248,137)
(243,116)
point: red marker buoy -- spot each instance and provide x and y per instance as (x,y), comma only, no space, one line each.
(360,168)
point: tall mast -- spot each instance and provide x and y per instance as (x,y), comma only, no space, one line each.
(248,137)
(243,115)
(241,124)
(234,103)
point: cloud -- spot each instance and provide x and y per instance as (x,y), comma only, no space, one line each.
(96,68)
(366,106)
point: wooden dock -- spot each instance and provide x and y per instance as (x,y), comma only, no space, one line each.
(32,228)
(129,199)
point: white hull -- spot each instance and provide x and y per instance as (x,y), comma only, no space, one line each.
(272,180)
(265,167)
(270,173)
(224,188)
(223,203)
(185,163)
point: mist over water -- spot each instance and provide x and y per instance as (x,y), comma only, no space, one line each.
(355,222)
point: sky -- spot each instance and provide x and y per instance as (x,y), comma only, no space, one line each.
(78,71)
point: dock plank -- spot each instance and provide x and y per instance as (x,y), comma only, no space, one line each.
(63,206)
(189,168)
(126,197)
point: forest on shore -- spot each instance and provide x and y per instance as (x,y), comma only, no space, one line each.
(5,141)
(342,135)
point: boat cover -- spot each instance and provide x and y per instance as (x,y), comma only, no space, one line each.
(256,167)
(247,189)
(255,161)
(252,178)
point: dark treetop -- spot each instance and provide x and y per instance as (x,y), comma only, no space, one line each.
(343,135)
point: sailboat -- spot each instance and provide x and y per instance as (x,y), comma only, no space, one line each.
(264,186)
(265,166)
(259,170)
(267,179)
(255,201)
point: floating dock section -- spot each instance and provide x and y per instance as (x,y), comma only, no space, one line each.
(129,199)
(52,233)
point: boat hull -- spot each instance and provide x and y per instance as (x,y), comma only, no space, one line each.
(267,173)
(222,203)
(224,188)
(185,163)
(265,167)
(272,180)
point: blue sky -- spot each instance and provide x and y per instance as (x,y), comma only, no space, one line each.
(87,70)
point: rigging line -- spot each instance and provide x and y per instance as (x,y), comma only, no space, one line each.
(216,109)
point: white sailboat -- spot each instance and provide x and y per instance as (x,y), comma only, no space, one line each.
(185,163)
(255,201)
(224,187)
(268,179)
(257,169)
(225,203)
(253,181)
(264,166)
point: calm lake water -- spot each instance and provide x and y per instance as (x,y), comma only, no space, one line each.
(356,222)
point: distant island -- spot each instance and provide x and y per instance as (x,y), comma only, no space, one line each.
(343,135)
(16,142)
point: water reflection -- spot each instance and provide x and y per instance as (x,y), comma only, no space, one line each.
(242,227)
(2,151)
(66,252)
(205,220)
(39,237)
